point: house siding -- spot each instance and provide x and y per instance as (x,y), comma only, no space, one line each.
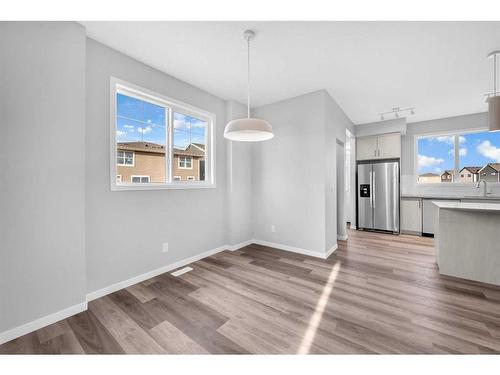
(145,164)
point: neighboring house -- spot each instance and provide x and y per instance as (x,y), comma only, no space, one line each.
(427,178)
(189,163)
(447,176)
(490,172)
(140,162)
(143,162)
(469,174)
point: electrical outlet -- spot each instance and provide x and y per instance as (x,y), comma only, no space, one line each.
(165,247)
(273,228)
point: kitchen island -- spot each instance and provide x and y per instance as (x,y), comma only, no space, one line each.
(467,240)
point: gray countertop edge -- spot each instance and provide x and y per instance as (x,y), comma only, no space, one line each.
(447,197)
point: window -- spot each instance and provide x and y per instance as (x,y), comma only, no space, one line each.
(185,162)
(139,179)
(125,158)
(469,155)
(158,140)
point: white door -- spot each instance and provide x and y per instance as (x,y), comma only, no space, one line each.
(366,148)
(389,146)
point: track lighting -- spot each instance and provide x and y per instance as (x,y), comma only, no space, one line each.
(397,112)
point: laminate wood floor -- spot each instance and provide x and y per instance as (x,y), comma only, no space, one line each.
(377,294)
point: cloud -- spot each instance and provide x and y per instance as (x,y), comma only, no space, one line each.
(145,130)
(428,161)
(461,152)
(128,126)
(451,139)
(119,133)
(489,151)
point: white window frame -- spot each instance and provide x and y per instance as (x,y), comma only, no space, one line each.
(177,178)
(186,157)
(190,178)
(129,89)
(140,176)
(125,165)
(456,181)
(119,177)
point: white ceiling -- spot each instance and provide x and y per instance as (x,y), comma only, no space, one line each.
(368,67)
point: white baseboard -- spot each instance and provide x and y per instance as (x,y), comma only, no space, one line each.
(239,245)
(290,248)
(331,251)
(342,238)
(137,279)
(42,322)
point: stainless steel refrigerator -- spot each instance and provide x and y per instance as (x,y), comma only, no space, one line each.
(378,196)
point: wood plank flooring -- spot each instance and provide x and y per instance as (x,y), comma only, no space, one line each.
(377,294)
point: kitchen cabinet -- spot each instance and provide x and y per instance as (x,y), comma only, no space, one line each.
(366,148)
(384,146)
(429,211)
(411,215)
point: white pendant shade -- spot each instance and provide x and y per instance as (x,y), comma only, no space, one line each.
(248,130)
(494,113)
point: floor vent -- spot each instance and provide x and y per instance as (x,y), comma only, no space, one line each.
(182,271)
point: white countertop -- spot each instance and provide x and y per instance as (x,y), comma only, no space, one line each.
(469,206)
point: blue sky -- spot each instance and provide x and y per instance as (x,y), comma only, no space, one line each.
(138,120)
(435,154)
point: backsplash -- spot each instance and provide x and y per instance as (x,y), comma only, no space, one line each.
(410,187)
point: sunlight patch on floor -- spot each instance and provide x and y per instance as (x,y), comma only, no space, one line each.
(315,320)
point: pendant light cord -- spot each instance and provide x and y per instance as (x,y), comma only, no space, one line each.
(248,77)
(495,74)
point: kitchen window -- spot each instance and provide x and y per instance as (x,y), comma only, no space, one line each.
(155,138)
(464,157)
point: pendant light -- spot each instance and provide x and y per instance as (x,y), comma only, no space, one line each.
(248,129)
(494,98)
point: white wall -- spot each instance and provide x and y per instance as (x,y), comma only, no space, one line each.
(126,229)
(42,220)
(239,182)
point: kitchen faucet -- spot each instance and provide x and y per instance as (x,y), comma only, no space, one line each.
(478,185)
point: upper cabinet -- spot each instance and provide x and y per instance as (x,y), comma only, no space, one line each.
(384,146)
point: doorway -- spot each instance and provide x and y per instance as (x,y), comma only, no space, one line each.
(340,167)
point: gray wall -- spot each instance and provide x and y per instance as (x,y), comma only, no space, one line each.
(336,123)
(42,222)
(239,182)
(126,229)
(289,174)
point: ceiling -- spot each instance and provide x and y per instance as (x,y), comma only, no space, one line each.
(367,67)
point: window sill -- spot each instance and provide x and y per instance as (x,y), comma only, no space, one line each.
(153,186)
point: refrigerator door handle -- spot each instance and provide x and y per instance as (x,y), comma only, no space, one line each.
(373,189)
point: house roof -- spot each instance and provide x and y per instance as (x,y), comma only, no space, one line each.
(471,169)
(495,166)
(142,146)
(448,171)
(194,149)
(429,175)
